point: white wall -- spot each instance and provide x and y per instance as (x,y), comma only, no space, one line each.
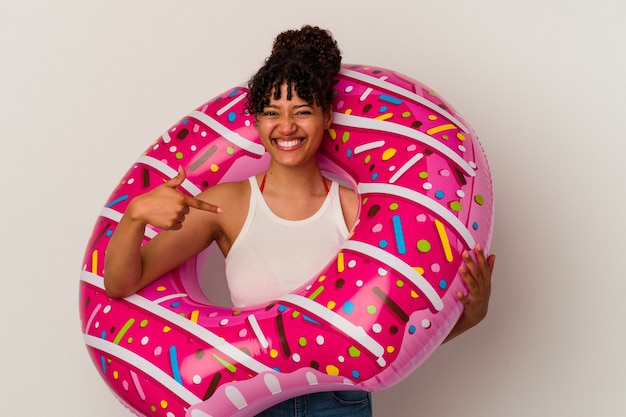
(86,86)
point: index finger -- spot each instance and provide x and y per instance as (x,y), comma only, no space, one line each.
(202,205)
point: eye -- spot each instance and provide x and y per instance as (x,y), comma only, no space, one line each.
(269,113)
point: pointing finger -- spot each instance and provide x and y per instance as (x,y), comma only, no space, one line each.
(202,205)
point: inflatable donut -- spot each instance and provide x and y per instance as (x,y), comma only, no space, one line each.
(378,310)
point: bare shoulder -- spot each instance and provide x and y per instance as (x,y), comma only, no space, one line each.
(349,205)
(233,198)
(226,193)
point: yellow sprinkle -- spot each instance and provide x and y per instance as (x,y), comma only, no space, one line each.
(332,133)
(94,262)
(163,404)
(445,242)
(440,128)
(166,329)
(432,117)
(274,353)
(390,349)
(384,116)
(414,294)
(161,288)
(460,136)
(340,262)
(116,374)
(419,270)
(331,305)
(388,154)
(194,316)
(348,111)
(321,278)
(214,168)
(332,370)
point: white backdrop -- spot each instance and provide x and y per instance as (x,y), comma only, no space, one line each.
(86,86)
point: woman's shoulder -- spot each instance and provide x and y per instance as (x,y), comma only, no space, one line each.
(349,205)
(227,193)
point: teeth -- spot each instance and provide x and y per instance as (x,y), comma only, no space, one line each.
(287,143)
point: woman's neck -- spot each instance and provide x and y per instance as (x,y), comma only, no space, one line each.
(301,180)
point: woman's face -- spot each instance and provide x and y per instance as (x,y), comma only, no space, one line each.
(292,130)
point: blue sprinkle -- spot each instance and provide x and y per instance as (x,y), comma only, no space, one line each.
(440,194)
(348,307)
(117,200)
(185,122)
(475,226)
(374,176)
(174,365)
(276,369)
(109,233)
(393,100)
(310,320)
(412,329)
(443,284)
(234,93)
(104,364)
(382,109)
(103,335)
(232,116)
(356,374)
(175,304)
(281,308)
(349,153)
(399,233)
(383,243)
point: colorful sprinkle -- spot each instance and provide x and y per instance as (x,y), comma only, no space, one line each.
(348,307)
(123,331)
(390,99)
(388,154)
(399,234)
(174,365)
(423,245)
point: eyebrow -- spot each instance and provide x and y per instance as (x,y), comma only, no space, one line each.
(297,106)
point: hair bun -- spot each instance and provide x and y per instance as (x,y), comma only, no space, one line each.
(312,44)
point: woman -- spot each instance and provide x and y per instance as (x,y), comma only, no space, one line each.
(290,97)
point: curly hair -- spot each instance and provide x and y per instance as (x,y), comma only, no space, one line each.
(307,60)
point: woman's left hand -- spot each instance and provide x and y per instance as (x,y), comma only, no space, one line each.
(477,277)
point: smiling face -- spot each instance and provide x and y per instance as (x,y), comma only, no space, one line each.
(292,129)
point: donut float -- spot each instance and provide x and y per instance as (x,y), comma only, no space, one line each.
(377,311)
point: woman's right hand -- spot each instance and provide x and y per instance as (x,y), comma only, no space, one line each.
(165,207)
(129,264)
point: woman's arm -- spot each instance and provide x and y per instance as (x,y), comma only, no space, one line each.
(477,277)
(129,266)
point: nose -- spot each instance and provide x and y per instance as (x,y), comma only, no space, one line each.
(286,125)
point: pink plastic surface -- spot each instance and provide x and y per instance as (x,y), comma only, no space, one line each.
(379,309)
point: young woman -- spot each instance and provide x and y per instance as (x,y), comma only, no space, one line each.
(308,215)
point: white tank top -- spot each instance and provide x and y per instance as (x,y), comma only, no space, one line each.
(273,256)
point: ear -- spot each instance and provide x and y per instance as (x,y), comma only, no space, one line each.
(328,118)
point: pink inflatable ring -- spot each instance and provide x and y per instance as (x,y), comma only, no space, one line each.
(378,310)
